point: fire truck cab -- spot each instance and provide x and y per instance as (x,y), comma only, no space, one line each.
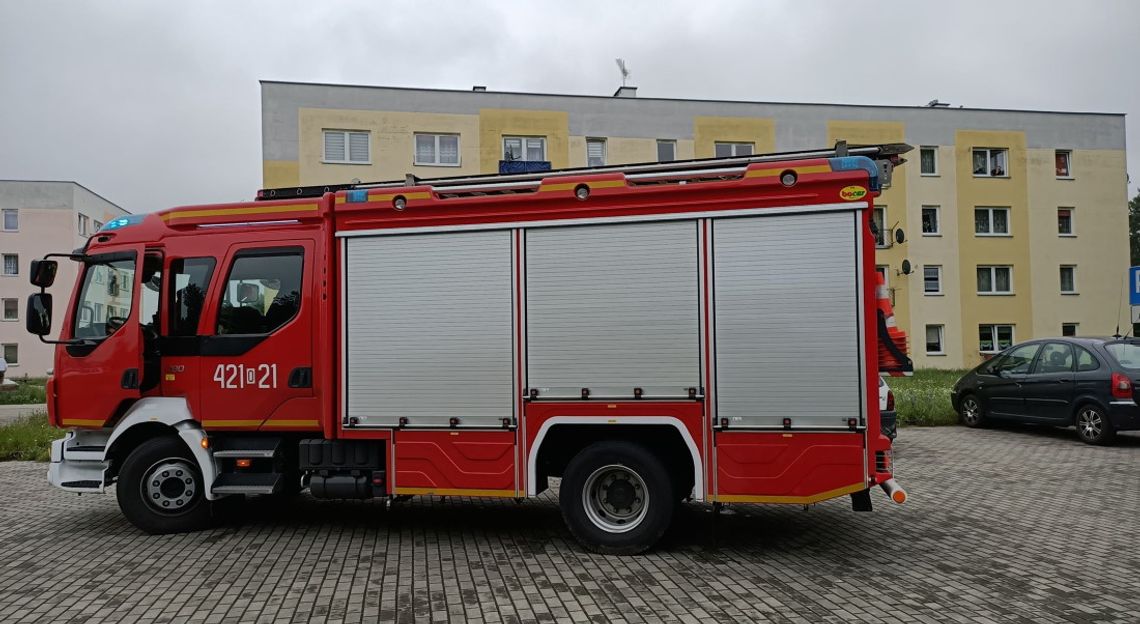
(705,330)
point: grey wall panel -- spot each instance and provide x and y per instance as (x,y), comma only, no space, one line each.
(787,320)
(613,308)
(430,328)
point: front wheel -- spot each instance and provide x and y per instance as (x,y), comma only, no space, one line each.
(160,488)
(617,498)
(970,412)
(1093,426)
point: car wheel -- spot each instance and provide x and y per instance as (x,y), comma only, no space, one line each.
(970,412)
(161,490)
(1093,426)
(617,498)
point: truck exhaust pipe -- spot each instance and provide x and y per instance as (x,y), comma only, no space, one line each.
(894,490)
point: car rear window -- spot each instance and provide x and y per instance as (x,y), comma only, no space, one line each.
(1125,353)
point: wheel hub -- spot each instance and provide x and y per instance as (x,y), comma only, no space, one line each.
(615,498)
(170,485)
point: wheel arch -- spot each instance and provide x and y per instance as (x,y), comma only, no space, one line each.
(561,437)
(1082,400)
(151,417)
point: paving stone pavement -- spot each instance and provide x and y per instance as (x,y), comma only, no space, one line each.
(1010,525)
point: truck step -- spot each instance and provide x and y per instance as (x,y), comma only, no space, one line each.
(89,452)
(248,483)
(246,447)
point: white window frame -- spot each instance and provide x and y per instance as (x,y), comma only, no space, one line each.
(941,339)
(4,219)
(96,225)
(1068,162)
(883,238)
(1072,233)
(733,147)
(347,147)
(938,269)
(990,151)
(3,309)
(4,348)
(990,210)
(993,327)
(934,149)
(672,145)
(993,279)
(1076,328)
(435,139)
(82,224)
(1073,268)
(4,265)
(937,219)
(605,151)
(523,139)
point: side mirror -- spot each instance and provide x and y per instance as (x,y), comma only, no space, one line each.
(38,317)
(43,274)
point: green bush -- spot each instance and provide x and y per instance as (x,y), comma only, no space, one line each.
(29,391)
(924,399)
(27,439)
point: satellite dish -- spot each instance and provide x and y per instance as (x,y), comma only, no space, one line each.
(906,268)
(900,236)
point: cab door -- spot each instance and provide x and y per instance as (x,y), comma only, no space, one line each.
(257,357)
(98,378)
(1050,386)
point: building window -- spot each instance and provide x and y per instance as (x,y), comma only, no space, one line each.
(994,338)
(98,226)
(1068,279)
(439,150)
(11,219)
(928,160)
(726,150)
(11,264)
(883,270)
(82,225)
(595,152)
(11,309)
(12,354)
(934,340)
(995,280)
(347,147)
(879,218)
(1064,158)
(931,225)
(991,162)
(991,221)
(1065,222)
(530,149)
(666,150)
(1069,329)
(932,279)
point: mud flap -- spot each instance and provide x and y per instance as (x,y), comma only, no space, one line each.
(861,501)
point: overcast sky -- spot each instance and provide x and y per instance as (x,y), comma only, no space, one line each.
(154,104)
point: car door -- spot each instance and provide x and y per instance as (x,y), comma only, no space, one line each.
(999,388)
(1049,386)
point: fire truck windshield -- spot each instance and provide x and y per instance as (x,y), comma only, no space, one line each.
(105,298)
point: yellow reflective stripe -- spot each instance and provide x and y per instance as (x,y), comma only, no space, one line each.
(231,423)
(764,173)
(232,212)
(291,423)
(792,500)
(417,491)
(82,422)
(374,197)
(569,186)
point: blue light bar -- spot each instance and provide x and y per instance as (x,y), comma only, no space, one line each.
(121,222)
(852,163)
(356,196)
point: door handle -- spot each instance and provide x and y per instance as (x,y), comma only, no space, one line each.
(1064,380)
(301,377)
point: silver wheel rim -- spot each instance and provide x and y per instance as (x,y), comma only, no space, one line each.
(615,498)
(1090,423)
(970,411)
(169,485)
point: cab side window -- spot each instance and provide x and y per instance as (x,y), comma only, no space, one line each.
(191,280)
(1056,357)
(1016,362)
(262,291)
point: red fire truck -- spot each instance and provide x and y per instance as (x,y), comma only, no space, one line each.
(703,330)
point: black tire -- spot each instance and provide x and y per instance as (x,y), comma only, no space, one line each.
(970,412)
(1093,425)
(632,473)
(160,488)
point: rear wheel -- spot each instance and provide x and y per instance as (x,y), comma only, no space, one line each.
(970,412)
(160,488)
(1093,426)
(617,498)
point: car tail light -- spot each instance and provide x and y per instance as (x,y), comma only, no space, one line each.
(890,400)
(1121,386)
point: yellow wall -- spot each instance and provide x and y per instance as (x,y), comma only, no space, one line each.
(495,123)
(707,131)
(976,250)
(392,144)
(279,173)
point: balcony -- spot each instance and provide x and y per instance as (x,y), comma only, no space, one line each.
(523,166)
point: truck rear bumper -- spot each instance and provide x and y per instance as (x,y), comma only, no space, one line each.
(77,463)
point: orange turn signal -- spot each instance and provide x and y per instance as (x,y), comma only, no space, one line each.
(244,463)
(205,443)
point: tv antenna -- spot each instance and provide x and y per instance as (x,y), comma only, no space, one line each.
(623,69)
